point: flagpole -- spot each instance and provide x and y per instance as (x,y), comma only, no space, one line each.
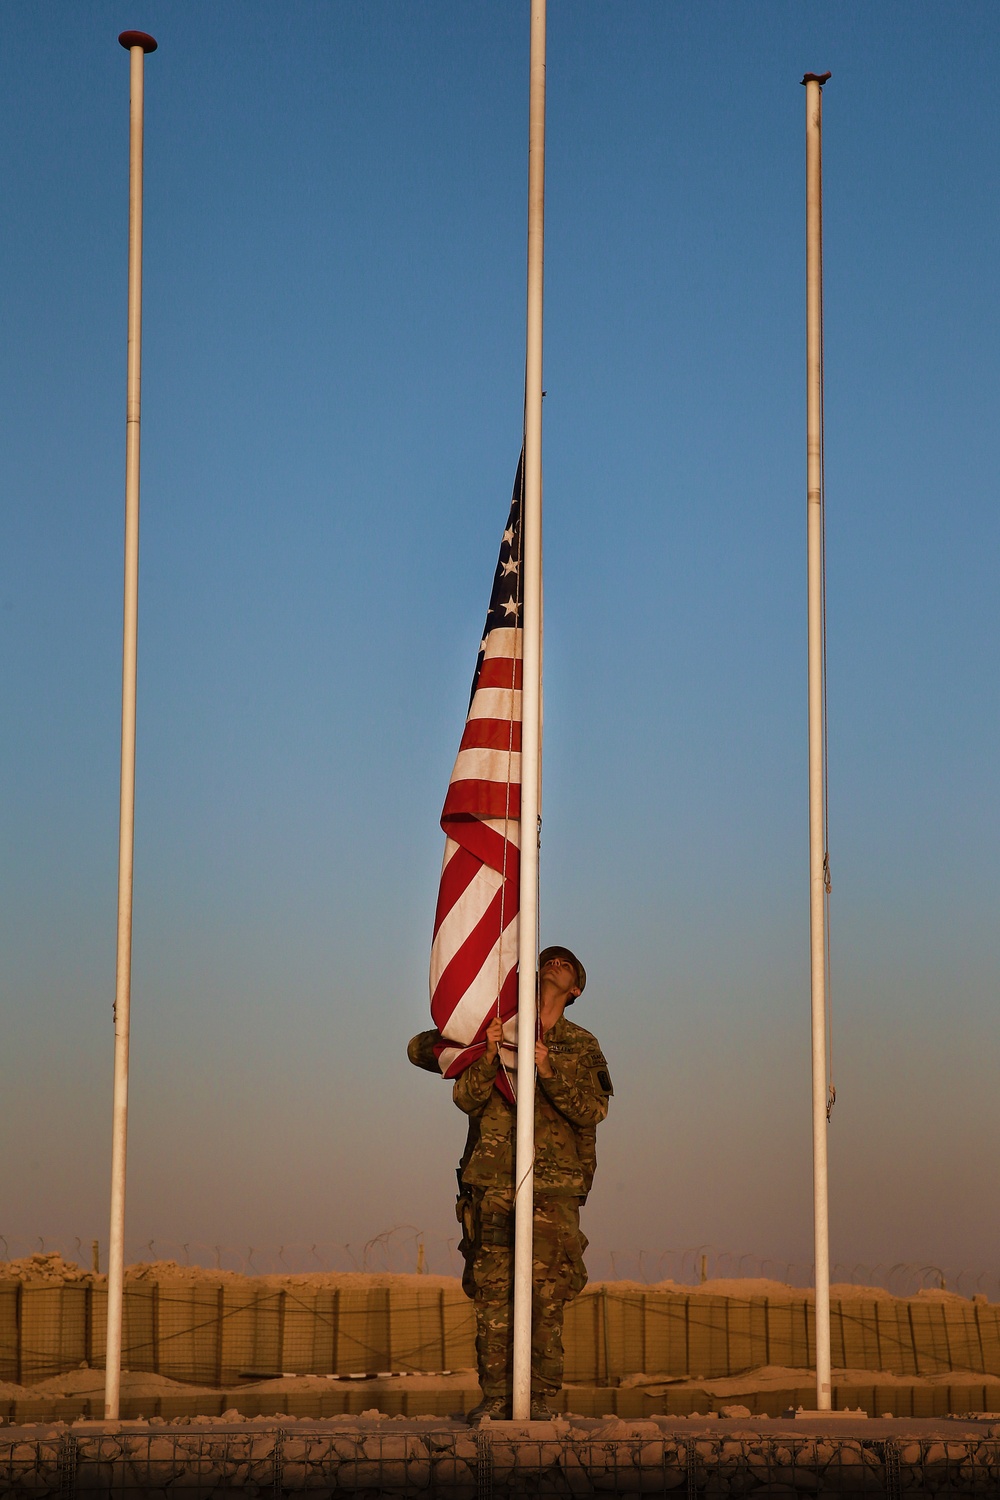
(531,708)
(137,44)
(817,833)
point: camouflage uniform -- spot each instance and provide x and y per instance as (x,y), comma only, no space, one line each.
(568,1108)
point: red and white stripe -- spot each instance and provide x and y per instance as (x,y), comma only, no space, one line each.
(474,952)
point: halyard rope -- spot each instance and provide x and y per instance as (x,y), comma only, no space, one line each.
(831,1088)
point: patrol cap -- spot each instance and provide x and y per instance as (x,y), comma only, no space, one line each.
(420,1051)
(567,953)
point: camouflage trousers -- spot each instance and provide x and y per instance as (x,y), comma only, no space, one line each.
(558,1275)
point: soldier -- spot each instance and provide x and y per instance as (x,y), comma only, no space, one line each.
(571,1099)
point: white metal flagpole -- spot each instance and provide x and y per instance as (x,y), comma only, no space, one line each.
(137,44)
(531,708)
(817,832)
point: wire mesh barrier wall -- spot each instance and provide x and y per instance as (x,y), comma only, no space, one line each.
(214,1334)
(219,1333)
(444,1462)
(612,1334)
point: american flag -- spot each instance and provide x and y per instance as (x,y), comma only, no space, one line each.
(474,952)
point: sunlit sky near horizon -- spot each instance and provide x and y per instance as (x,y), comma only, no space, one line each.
(333,373)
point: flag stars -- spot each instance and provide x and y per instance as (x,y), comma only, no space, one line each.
(505,606)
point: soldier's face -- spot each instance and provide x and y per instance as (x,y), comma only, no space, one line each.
(561,973)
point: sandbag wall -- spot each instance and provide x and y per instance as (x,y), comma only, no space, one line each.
(218,1333)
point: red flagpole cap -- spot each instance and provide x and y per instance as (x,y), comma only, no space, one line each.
(130,39)
(819,78)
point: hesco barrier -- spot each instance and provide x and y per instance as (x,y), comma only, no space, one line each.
(214,1334)
(444,1462)
(612,1334)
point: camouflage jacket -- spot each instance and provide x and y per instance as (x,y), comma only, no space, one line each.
(568,1109)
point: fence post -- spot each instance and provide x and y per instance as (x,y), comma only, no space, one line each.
(281,1329)
(156,1327)
(811,1343)
(979,1336)
(88,1324)
(604,1332)
(443,1359)
(279,1441)
(484,1463)
(890,1461)
(67,1467)
(913,1338)
(220,1312)
(878,1337)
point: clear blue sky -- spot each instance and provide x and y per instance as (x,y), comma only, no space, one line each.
(333,362)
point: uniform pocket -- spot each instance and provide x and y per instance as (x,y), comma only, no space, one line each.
(576,1244)
(566,1065)
(497,1229)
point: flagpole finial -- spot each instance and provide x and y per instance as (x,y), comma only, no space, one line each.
(130,39)
(819,78)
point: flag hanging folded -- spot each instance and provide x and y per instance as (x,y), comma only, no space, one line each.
(474,952)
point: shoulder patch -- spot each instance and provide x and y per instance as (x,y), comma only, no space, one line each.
(602,1080)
